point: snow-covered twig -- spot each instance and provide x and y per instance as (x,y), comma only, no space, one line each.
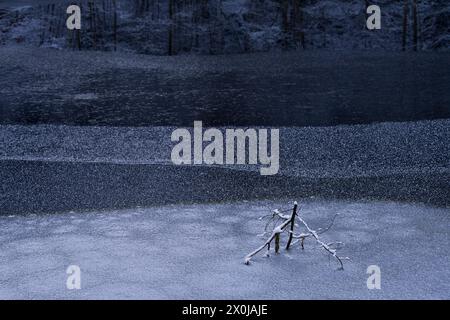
(279,229)
(331,251)
(302,236)
(289,220)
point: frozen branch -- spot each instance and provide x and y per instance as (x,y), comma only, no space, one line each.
(279,229)
(293,238)
(331,251)
(302,236)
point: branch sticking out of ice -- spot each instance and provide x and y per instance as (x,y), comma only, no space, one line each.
(289,220)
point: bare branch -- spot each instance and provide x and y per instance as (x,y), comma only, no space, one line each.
(289,220)
(275,231)
(292,223)
(331,251)
(320,230)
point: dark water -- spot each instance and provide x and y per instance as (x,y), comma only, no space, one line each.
(283,90)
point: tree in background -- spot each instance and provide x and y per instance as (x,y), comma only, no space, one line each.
(173,27)
(291,23)
(415,26)
(410,8)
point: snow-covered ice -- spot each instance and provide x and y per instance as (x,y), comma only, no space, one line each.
(338,151)
(197,251)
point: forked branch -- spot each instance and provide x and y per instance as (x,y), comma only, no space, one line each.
(293,238)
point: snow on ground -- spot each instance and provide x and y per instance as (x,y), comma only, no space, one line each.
(197,251)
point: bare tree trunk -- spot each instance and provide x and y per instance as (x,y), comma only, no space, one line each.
(44,35)
(415,26)
(78,33)
(104,24)
(52,20)
(302,32)
(285,21)
(365,9)
(115,24)
(170,40)
(284,15)
(405,24)
(62,23)
(92,22)
(295,23)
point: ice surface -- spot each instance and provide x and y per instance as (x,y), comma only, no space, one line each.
(196,252)
(341,151)
(48,169)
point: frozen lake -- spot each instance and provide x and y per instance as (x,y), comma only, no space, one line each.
(86,177)
(196,252)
